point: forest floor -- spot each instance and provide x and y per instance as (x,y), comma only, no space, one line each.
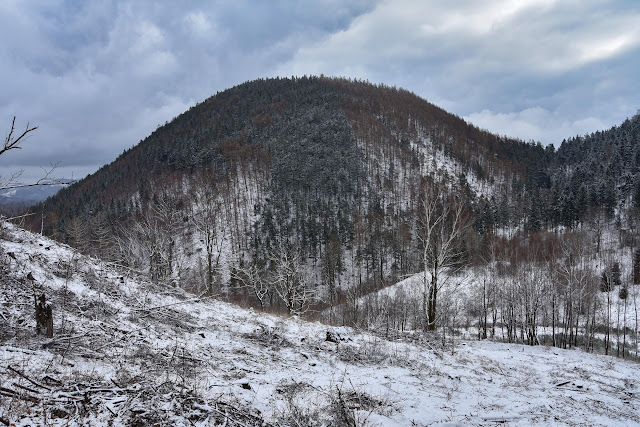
(129,352)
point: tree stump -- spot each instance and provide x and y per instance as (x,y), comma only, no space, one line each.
(44,316)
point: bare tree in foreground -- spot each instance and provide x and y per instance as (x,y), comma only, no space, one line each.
(12,142)
(441,225)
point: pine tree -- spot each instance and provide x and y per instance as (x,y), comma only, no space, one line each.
(623,293)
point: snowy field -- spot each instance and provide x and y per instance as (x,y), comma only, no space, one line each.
(129,352)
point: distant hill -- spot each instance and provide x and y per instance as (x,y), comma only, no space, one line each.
(330,173)
(17,199)
(30,194)
(315,163)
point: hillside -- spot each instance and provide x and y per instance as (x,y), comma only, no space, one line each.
(304,196)
(332,170)
(590,175)
(130,352)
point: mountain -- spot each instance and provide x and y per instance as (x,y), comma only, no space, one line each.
(330,169)
(17,199)
(590,174)
(303,195)
(30,194)
(127,351)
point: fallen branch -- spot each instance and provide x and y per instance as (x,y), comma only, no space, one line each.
(168,305)
(30,390)
(112,343)
(110,410)
(100,389)
(226,415)
(502,419)
(66,396)
(47,377)
(20,216)
(16,349)
(7,392)
(181,356)
(66,338)
(28,379)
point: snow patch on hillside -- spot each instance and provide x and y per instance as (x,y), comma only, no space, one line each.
(128,351)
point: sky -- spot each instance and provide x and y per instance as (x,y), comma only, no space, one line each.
(98,77)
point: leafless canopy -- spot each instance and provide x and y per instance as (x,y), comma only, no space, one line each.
(12,142)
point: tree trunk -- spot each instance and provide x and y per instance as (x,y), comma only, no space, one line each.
(44,316)
(431,309)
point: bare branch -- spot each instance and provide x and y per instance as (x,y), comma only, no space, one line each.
(11,143)
(45,180)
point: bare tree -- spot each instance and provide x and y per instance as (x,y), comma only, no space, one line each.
(78,234)
(331,269)
(534,284)
(441,224)
(252,279)
(13,141)
(288,282)
(207,218)
(145,244)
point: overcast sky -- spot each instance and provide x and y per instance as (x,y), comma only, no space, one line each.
(99,76)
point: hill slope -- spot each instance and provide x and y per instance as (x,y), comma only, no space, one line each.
(131,352)
(330,169)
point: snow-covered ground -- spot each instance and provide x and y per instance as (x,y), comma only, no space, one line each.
(129,352)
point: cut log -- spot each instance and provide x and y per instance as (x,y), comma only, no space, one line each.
(44,316)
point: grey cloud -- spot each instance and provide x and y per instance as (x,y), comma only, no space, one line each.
(499,56)
(97,77)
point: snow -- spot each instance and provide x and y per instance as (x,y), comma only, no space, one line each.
(126,350)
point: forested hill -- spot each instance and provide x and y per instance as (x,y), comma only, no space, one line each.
(598,170)
(590,178)
(329,170)
(299,130)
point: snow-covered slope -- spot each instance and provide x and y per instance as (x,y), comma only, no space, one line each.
(129,352)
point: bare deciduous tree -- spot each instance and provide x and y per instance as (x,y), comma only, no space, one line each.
(251,278)
(207,216)
(441,224)
(288,281)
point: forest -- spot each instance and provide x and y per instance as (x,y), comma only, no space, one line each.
(365,205)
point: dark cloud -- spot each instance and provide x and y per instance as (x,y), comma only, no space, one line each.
(498,62)
(98,77)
